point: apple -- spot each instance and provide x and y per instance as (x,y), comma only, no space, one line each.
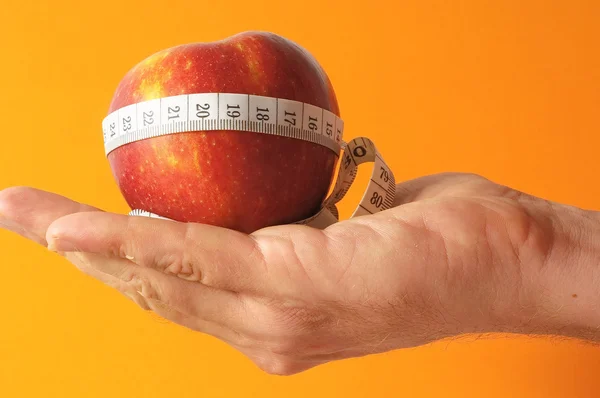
(234,179)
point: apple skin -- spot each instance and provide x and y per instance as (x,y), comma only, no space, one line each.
(238,180)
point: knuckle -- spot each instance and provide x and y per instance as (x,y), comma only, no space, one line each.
(120,251)
(180,263)
(143,286)
(128,276)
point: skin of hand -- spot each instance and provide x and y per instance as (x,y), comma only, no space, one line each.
(458,254)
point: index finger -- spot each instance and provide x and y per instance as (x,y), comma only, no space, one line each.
(214,256)
(30,211)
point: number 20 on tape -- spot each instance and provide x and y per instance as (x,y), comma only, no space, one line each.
(265,115)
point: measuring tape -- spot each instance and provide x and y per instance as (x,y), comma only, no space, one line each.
(264,115)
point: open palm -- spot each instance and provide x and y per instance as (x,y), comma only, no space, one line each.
(450,258)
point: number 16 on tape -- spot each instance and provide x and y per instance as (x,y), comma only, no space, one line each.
(266,115)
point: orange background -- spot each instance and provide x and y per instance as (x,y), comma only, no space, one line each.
(508,89)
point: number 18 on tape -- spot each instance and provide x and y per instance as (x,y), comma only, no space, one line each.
(263,115)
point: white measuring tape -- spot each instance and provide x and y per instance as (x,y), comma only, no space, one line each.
(265,115)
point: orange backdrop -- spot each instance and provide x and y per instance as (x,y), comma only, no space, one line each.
(508,89)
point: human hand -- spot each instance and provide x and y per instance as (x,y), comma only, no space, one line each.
(458,254)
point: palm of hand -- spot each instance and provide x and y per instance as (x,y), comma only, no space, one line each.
(292,297)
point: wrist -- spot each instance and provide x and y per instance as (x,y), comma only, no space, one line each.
(559,291)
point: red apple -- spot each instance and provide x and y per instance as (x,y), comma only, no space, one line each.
(234,179)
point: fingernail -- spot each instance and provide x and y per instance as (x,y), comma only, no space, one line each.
(52,247)
(56,244)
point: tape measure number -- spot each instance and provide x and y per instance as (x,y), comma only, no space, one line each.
(222,111)
(265,115)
